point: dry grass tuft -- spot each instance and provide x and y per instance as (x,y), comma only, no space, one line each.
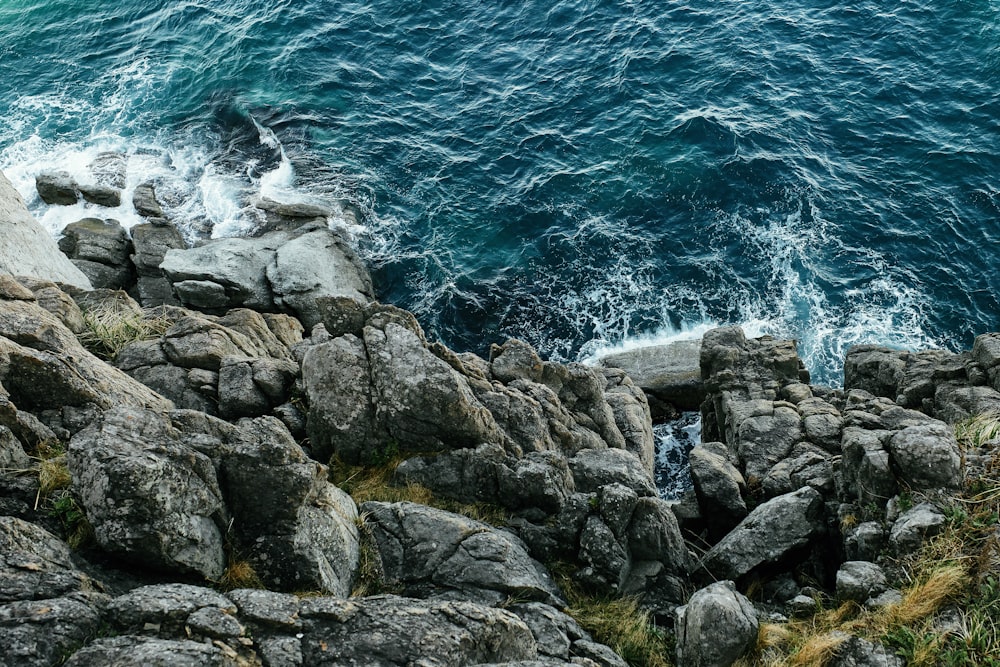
(240,574)
(978,430)
(113,325)
(818,650)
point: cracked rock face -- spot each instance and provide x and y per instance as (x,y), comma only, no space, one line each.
(431,552)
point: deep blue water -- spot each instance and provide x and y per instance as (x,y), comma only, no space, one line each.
(578,174)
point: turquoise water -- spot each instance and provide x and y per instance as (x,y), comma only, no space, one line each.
(583,175)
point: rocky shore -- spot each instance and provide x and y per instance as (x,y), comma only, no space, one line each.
(257,463)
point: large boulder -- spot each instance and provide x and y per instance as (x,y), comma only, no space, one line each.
(26,249)
(40,633)
(149,496)
(773,532)
(433,552)
(927,456)
(670,373)
(151,244)
(716,627)
(35,564)
(719,487)
(101,249)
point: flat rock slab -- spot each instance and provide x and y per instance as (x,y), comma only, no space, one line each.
(670,372)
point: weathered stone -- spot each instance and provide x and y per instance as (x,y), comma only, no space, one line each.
(165,607)
(145,202)
(772,532)
(267,610)
(632,415)
(864,541)
(103,241)
(764,440)
(515,360)
(239,396)
(134,650)
(877,370)
(914,526)
(593,468)
(865,467)
(592,653)
(40,633)
(858,652)
(194,342)
(26,248)
(390,631)
(927,456)
(669,372)
(12,454)
(540,479)
(427,550)
(151,244)
(953,403)
(57,188)
(299,531)
(553,630)
(655,535)
(149,497)
(214,622)
(62,306)
(716,627)
(606,561)
(34,564)
(720,487)
(101,195)
(860,580)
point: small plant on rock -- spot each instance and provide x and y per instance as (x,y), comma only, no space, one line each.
(113,324)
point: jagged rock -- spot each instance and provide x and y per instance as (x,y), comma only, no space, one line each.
(214,623)
(539,480)
(716,627)
(914,526)
(195,342)
(237,265)
(927,456)
(865,466)
(671,372)
(12,454)
(316,264)
(654,535)
(165,607)
(771,533)
(60,304)
(606,561)
(42,632)
(593,468)
(35,564)
(466,475)
(101,195)
(151,243)
(515,360)
(145,202)
(858,652)
(135,650)
(389,631)
(595,654)
(57,188)
(632,415)
(860,580)
(268,610)
(299,531)
(954,403)
(430,551)
(44,366)
(148,496)
(806,465)
(103,241)
(26,248)
(877,370)
(821,422)
(762,440)
(864,541)
(720,487)
(554,631)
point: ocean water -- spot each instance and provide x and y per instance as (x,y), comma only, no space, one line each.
(585,175)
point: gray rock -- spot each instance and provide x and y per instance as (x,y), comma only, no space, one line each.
(12,454)
(764,440)
(101,195)
(102,276)
(163,607)
(927,456)
(914,526)
(237,265)
(716,627)
(858,652)
(26,248)
(34,564)
(151,652)
(669,372)
(655,535)
(145,202)
(593,468)
(267,610)
(539,480)
(772,532)
(427,550)
(149,497)
(877,370)
(865,467)
(606,561)
(719,486)
(632,415)
(389,631)
(195,342)
(42,632)
(597,654)
(239,396)
(864,541)
(215,623)
(48,368)
(316,264)
(280,651)
(802,606)
(151,243)
(860,580)
(515,360)
(60,304)
(96,240)
(954,403)
(299,531)
(553,630)
(57,188)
